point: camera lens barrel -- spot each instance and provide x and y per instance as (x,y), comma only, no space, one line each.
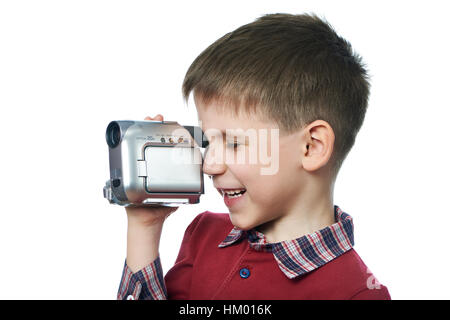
(113,134)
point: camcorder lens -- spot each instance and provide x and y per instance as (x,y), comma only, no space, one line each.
(113,135)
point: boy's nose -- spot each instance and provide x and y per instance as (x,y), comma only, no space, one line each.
(213,169)
(213,165)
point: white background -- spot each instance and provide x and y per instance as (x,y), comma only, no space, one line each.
(69,67)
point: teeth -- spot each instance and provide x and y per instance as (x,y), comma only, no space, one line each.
(235,196)
(233,193)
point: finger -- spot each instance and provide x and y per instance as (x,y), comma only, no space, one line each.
(158,117)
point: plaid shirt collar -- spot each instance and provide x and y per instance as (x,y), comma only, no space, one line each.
(307,253)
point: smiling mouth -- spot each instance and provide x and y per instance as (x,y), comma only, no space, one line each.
(232,193)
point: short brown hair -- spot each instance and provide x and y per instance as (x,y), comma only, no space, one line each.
(292,69)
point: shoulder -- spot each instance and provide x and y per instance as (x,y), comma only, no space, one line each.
(369,288)
(376,293)
(352,279)
(208,216)
(208,219)
(210,226)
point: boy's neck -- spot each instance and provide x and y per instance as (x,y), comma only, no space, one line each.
(304,218)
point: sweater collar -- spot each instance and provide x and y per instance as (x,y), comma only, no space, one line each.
(307,253)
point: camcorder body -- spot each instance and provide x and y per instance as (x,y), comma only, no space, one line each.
(154,163)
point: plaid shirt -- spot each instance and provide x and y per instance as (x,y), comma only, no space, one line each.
(294,257)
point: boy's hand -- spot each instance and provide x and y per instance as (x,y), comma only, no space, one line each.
(148,216)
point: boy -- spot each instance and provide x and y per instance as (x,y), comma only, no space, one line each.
(283,238)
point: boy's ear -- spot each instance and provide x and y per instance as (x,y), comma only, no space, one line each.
(318,144)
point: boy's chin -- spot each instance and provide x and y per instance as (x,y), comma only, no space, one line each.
(242,223)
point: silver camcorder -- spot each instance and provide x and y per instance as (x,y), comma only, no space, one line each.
(154,163)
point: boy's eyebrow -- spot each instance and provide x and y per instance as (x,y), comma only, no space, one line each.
(237,134)
(224,132)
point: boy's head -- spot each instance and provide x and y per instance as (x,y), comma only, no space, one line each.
(286,72)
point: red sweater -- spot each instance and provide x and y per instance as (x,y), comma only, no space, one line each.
(204,271)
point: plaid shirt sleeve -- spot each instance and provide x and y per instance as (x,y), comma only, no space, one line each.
(146,284)
(149,283)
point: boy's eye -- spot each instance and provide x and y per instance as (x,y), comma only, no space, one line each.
(234,144)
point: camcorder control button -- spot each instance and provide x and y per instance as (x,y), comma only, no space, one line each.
(116,183)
